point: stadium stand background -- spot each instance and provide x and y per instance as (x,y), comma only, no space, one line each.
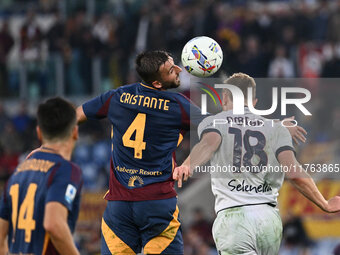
(79,49)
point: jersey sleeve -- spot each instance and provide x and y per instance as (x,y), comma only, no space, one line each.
(64,185)
(207,125)
(191,113)
(4,206)
(282,139)
(98,107)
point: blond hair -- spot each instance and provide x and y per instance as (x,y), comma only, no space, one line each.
(242,81)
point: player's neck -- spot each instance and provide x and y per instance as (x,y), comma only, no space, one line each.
(63,148)
(228,106)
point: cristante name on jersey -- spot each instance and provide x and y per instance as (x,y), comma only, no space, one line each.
(243,187)
(145,101)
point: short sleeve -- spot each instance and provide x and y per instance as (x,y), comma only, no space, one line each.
(65,185)
(4,206)
(98,107)
(207,125)
(191,113)
(282,139)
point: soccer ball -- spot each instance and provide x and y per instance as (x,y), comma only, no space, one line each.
(202,56)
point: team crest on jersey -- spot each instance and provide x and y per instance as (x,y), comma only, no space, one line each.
(133,179)
(70,193)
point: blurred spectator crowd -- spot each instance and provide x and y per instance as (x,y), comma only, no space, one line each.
(17,135)
(92,153)
(81,47)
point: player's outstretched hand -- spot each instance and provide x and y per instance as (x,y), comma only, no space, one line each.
(333,205)
(180,174)
(298,133)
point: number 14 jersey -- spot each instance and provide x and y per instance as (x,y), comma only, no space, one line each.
(42,178)
(244,169)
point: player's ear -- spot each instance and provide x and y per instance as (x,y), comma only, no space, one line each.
(75,133)
(157,84)
(39,134)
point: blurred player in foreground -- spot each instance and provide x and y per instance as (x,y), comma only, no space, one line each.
(248,221)
(148,123)
(40,205)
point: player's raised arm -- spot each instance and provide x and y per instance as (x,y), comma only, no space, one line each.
(200,154)
(305,184)
(81,117)
(3,236)
(55,223)
(96,108)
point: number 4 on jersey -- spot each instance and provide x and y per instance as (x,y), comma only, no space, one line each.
(138,125)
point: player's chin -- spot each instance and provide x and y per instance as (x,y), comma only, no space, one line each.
(172,85)
(176,83)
